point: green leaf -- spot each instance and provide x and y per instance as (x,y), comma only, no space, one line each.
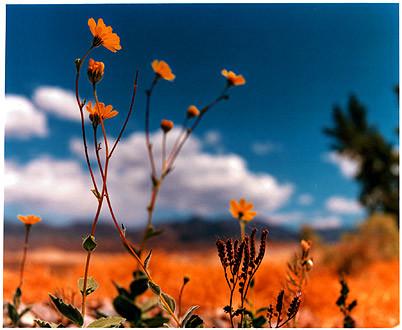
(46,324)
(147,259)
(107,322)
(155,288)
(92,285)
(258,322)
(17,297)
(195,322)
(89,243)
(155,322)
(122,291)
(138,287)
(188,314)
(169,300)
(13,313)
(68,310)
(127,309)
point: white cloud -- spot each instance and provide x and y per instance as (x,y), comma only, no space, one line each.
(349,167)
(305,199)
(200,183)
(49,186)
(58,101)
(286,217)
(343,205)
(263,148)
(23,120)
(326,222)
(212,137)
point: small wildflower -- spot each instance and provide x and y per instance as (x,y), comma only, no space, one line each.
(162,69)
(103,35)
(95,71)
(29,219)
(242,210)
(101,110)
(192,111)
(232,78)
(166,125)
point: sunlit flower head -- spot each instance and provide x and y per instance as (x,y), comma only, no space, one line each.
(162,69)
(95,71)
(100,110)
(192,111)
(233,78)
(103,35)
(29,219)
(166,125)
(242,210)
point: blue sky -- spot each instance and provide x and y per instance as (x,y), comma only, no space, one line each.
(298,60)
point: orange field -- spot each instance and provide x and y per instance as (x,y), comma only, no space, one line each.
(376,287)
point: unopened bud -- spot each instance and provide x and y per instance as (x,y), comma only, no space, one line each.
(192,111)
(166,125)
(95,71)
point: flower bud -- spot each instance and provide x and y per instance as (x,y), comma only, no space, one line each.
(166,125)
(192,111)
(95,71)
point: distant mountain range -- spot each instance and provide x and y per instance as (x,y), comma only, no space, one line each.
(193,233)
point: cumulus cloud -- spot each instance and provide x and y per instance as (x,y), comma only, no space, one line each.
(305,199)
(263,148)
(201,183)
(343,205)
(326,222)
(23,120)
(349,167)
(287,217)
(58,101)
(49,186)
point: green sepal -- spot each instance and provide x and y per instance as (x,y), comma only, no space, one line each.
(68,310)
(89,243)
(107,322)
(92,285)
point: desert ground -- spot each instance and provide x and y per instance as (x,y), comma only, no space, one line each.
(376,287)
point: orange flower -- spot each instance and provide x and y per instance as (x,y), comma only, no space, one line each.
(233,78)
(95,70)
(103,35)
(162,69)
(29,219)
(192,111)
(101,110)
(166,125)
(242,210)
